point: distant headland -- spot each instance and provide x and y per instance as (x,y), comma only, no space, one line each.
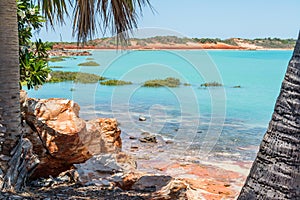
(173,42)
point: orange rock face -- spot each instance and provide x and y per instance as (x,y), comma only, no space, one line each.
(105,136)
(60,138)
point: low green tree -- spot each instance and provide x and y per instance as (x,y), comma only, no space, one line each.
(34,69)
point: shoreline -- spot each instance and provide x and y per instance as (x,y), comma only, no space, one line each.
(172,49)
(160,46)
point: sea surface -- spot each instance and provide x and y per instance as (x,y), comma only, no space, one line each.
(225,122)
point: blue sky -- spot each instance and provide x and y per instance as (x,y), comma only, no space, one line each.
(213,18)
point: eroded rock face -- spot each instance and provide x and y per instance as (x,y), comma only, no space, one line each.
(56,134)
(60,138)
(101,167)
(105,136)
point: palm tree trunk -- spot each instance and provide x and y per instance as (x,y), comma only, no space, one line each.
(15,152)
(275,173)
(9,79)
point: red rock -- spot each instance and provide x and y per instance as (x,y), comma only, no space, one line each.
(128,180)
(60,138)
(175,189)
(105,136)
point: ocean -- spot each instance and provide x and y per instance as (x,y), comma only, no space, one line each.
(222,123)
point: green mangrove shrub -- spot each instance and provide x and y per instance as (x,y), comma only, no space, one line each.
(89,63)
(168,82)
(115,82)
(33,56)
(77,77)
(57,58)
(211,84)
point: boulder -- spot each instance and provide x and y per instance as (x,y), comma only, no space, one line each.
(142,118)
(60,138)
(102,166)
(105,136)
(151,183)
(148,139)
(175,189)
(56,134)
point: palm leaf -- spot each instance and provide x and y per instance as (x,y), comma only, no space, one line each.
(119,16)
(54,10)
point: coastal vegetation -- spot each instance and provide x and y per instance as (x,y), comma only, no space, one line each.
(111,42)
(211,84)
(56,67)
(272,42)
(168,82)
(115,82)
(33,56)
(89,63)
(57,59)
(78,77)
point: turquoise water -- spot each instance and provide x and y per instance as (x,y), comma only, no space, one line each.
(209,121)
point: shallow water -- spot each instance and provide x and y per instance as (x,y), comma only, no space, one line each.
(219,123)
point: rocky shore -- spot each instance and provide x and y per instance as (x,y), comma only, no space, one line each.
(81,159)
(60,51)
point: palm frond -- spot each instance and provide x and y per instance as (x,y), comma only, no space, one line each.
(120,16)
(54,10)
(84,20)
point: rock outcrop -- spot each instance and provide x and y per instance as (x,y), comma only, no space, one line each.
(62,52)
(60,138)
(104,136)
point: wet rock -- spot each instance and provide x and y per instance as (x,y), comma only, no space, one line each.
(148,139)
(151,183)
(169,142)
(142,118)
(134,146)
(132,138)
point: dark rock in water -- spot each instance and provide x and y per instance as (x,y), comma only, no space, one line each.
(142,118)
(169,142)
(134,147)
(132,138)
(149,139)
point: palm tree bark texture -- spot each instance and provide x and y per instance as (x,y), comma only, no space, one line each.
(275,173)
(9,80)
